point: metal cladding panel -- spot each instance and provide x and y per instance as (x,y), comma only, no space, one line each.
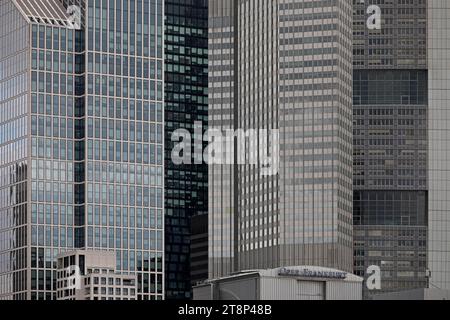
(239,289)
(204,292)
(291,289)
(310,290)
(275,288)
(278,289)
(339,290)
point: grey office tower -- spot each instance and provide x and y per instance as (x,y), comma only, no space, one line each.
(390,110)
(282,65)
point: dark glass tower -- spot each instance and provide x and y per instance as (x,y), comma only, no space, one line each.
(186,102)
(390,107)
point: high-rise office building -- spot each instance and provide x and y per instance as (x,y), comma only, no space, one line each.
(81,140)
(390,112)
(282,65)
(186,103)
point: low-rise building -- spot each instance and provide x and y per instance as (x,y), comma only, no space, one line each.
(290,283)
(91,275)
(416,294)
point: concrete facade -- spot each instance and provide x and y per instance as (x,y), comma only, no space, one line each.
(93,278)
(390,110)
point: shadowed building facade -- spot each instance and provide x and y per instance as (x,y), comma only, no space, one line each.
(390,112)
(186,103)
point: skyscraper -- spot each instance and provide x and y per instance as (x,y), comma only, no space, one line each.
(186,103)
(390,110)
(81,140)
(282,65)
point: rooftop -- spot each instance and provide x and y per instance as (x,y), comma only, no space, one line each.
(51,12)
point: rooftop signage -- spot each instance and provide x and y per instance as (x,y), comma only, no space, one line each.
(312,273)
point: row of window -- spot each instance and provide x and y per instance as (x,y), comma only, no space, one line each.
(62,127)
(391,183)
(124,217)
(99,172)
(56,38)
(121,239)
(111,216)
(125,87)
(96,150)
(67,106)
(390,111)
(125,131)
(63,237)
(56,61)
(123,195)
(67,84)
(144,261)
(134,67)
(124,174)
(103,291)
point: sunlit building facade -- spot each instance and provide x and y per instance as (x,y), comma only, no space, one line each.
(282,65)
(81,141)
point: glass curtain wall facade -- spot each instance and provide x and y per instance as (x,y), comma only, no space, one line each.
(439,140)
(125,132)
(390,111)
(94,109)
(14,152)
(283,65)
(186,103)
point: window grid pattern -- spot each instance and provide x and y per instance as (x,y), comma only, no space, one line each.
(124,142)
(390,113)
(14,161)
(439,138)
